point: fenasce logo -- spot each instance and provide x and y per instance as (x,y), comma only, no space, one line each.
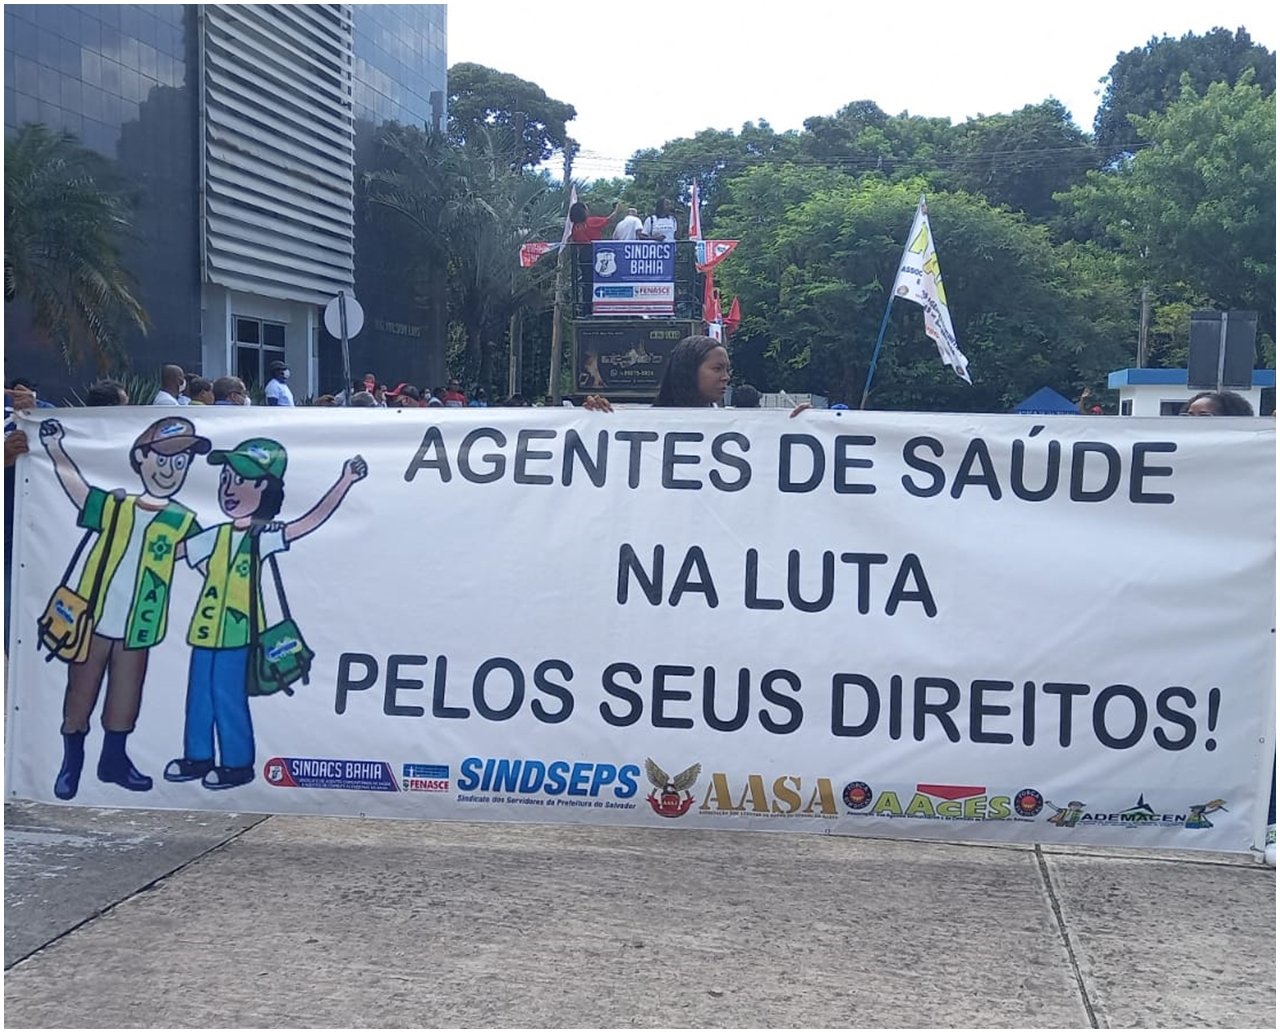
(425,778)
(668,803)
(324,773)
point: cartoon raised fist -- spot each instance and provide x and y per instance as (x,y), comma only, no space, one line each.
(356,469)
(51,431)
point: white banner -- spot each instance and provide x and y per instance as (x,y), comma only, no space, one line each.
(988,628)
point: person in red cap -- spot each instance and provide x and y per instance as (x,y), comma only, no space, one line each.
(127,579)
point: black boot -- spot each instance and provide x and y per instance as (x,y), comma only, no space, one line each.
(115,766)
(67,783)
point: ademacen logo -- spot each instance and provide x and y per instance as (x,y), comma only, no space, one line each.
(668,802)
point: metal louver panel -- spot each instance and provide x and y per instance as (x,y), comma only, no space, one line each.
(278,149)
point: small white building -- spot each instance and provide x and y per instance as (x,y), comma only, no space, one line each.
(1164,392)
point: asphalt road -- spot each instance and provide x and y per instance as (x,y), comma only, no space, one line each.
(137,918)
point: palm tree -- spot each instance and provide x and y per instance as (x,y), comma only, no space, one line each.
(62,228)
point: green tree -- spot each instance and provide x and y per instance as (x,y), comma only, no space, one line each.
(814,284)
(1147,80)
(1193,213)
(860,139)
(712,157)
(481,97)
(1020,160)
(64,220)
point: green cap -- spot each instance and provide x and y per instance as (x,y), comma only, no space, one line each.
(255,458)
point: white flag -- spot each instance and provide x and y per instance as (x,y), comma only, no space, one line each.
(920,280)
(568,226)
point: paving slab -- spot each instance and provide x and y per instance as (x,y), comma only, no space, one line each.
(64,865)
(341,922)
(1189,942)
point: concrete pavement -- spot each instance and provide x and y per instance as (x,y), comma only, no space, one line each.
(129,918)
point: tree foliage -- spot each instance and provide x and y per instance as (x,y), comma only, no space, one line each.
(64,220)
(1194,212)
(1022,159)
(1147,80)
(816,281)
(481,98)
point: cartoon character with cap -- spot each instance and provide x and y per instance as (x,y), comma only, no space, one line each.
(250,492)
(127,577)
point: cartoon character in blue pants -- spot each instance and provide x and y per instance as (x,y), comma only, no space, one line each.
(250,492)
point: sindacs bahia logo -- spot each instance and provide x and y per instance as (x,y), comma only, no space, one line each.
(328,773)
(668,803)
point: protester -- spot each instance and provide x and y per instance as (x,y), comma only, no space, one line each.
(1218,403)
(16,399)
(696,376)
(454,397)
(404,396)
(230,391)
(22,385)
(662,224)
(629,227)
(746,397)
(106,392)
(277,390)
(200,391)
(587,227)
(173,384)
(363,400)
(479,399)
(516,401)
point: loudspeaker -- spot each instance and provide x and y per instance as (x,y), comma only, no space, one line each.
(1208,352)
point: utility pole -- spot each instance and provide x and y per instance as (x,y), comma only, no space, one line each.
(1144,324)
(557,318)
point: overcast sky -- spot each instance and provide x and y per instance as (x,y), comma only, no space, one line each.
(640,75)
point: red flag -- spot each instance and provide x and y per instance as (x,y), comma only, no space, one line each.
(695,219)
(710,253)
(710,305)
(531,252)
(734,319)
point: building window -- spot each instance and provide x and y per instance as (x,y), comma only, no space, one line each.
(258,345)
(1172,407)
(1126,407)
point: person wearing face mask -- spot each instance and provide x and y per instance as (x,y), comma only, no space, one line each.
(126,581)
(229,391)
(173,385)
(278,392)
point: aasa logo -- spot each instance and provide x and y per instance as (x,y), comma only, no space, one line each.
(786,794)
(668,802)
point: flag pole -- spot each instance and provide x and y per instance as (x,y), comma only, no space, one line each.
(875,355)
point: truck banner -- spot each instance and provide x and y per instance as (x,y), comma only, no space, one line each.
(633,277)
(927,626)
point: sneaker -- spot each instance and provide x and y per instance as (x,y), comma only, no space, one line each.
(184,770)
(228,778)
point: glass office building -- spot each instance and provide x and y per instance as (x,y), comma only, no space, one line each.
(236,127)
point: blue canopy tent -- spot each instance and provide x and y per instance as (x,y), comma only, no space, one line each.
(1047,402)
